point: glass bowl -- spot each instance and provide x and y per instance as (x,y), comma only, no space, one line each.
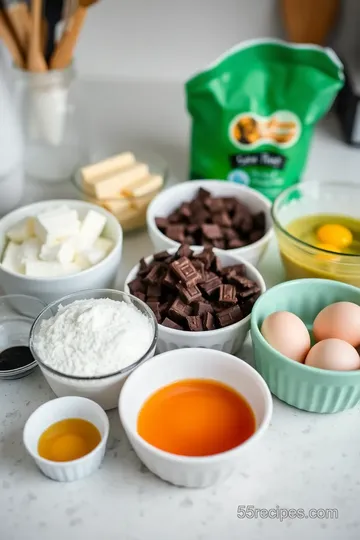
(129,211)
(17,315)
(303,260)
(104,389)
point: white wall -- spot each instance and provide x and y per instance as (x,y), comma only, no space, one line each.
(170,39)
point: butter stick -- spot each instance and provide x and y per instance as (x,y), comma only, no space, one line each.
(111,186)
(118,206)
(143,186)
(92,173)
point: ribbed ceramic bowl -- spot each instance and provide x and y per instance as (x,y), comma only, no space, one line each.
(304,387)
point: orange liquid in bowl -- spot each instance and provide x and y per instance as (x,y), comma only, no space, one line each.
(196,417)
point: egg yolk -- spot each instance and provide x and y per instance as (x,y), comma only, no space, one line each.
(335,235)
(68,439)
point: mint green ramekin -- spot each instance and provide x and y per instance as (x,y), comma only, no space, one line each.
(304,387)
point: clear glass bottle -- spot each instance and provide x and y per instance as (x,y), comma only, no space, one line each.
(51,125)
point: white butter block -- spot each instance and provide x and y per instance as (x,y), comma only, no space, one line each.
(12,257)
(21,231)
(113,185)
(30,250)
(48,269)
(54,225)
(98,251)
(108,166)
(90,230)
(146,185)
(63,253)
(82,261)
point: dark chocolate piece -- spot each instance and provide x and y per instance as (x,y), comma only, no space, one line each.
(249,292)
(155,307)
(214,204)
(229,316)
(236,243)
(140,295)
(229,234)
(161,256)
(169,279)
(200,308)
(210,285)
(184,251)
(212,232)
(209,321)
(154,274)
(189,293)
(222,219)
(203,194)
(227,293)
(136,285)
(254,236)
(176,232)
(185,210)
(171,324)
(185,270)
(179,310)
(194,323)
(143,266)
(161,223)
(154,289)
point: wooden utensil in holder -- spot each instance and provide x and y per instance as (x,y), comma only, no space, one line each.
(36,61)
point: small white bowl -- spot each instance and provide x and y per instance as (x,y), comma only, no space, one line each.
(170,199)
(99,276)
(60,409)
(192,472)
(228,339)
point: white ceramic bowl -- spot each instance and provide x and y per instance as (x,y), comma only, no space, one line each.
(60,409)
(104,389)
(100,275)
(228,339)
(168,200)
(193,472)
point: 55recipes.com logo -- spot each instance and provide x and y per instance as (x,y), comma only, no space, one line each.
(249,511)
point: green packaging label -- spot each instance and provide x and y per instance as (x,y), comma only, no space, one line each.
(254,110)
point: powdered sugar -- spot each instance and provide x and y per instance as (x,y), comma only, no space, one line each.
(93,337)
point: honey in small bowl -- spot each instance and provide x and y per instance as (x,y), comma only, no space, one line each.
(196,417)
(68,439)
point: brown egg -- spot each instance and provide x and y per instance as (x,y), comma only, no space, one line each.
(333,354)
(287,333)
(340,320)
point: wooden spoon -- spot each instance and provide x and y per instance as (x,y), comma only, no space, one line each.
(18,15)
(10,42)
(64,50)
(309,21)
(36,61)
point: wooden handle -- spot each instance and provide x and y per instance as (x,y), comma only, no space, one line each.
(36,61)
(10,42)
(64,50)
(19,17)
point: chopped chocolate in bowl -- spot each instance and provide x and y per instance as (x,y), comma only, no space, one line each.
(193,291)
(221,222)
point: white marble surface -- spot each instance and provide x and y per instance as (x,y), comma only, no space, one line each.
(304,461)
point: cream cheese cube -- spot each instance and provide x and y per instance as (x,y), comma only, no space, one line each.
(30,250)
(21,231)
(90,229)
(48,269)
(57,224)
(12,257)
(63,253)
(98,251)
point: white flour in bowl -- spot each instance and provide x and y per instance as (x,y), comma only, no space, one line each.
(95,337)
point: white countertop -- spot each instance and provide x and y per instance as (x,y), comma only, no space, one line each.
(304,461)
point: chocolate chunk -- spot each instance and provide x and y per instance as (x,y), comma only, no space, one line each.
(190,240)
(234,269)
(140,295)
(200,308)
(169,279)
(227,293)
(174,217)
(143,266)
(242,281)
(206,256)
(254,236)
(179,311)
(236,243)
(212,232)
(185,210)
(200,267)
(154,289)
(199,216)
(208,321)
(136,285)
(185,270)
(222,219)
(229,234)
(203,194)
(184,251)
(155,307)
(192,228)
(219,244)
(210,285)
(176,232)
(249,292)
(194,323)
(161,223)
(189,293)
(247,224)
(161,256)
(214,204)
(154,274)
(229,316)
(171,324)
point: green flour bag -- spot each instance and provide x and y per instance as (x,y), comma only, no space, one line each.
(254,110)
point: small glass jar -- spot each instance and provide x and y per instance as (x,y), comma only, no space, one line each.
(50,122)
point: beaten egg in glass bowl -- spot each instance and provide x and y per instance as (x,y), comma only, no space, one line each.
(317,226)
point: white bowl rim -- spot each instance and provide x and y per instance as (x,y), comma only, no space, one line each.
(68,202)
(301,366)
(150,218)
(187,333)
(223,456)
(64,464)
